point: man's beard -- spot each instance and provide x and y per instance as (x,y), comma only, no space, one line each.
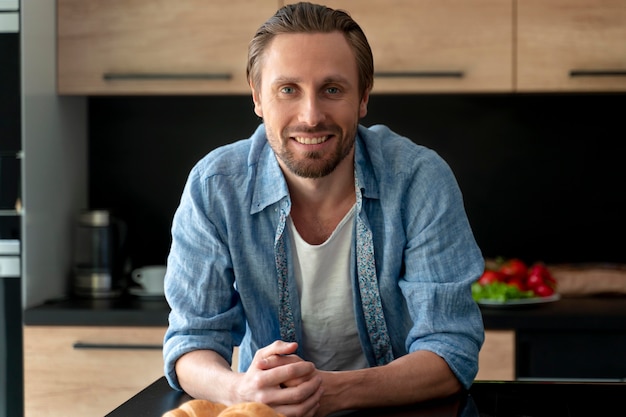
(314,165)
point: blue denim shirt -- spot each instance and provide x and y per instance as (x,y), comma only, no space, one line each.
(224,283)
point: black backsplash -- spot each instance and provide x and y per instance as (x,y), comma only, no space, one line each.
(542,175)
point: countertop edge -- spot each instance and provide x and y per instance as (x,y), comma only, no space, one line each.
(597,313)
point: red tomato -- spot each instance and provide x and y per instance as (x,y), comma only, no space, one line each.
(534,280)
(539,269)
(489,276)
(543,290)
(514,269)
(543,271)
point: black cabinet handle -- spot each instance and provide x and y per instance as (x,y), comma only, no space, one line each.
(419,74)
(116,346)
(148,76)
(597,73)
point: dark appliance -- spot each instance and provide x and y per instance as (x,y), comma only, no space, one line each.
(11,372)
(99,255)
(11,344)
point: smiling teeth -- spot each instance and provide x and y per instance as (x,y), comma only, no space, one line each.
(311,141)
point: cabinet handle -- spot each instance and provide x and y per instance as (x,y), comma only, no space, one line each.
(141,76)
(419,74)
(597,73)
(120,346)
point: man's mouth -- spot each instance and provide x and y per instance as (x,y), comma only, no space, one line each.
(311,141)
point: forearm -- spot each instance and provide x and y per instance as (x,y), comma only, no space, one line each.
(205,374)
(415,377)
(275,377)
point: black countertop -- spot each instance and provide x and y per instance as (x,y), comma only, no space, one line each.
(598,313)
(572,313)
(484,399)
(127,310)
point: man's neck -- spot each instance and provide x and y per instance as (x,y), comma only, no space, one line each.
(318,205)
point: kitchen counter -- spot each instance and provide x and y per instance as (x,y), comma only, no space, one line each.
(571,313)
(491,398)
(127,310)
(549,339)
(598,313)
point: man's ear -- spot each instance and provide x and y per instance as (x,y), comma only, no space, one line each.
(257,101)
(363,104)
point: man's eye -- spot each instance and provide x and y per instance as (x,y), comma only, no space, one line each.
(332,90)
(287,90)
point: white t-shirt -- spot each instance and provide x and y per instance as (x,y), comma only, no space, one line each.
(330,338)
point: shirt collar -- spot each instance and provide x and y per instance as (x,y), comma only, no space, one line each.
(367,157)
(269,183)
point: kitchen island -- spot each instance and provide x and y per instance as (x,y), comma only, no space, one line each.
(549,338)
(125,336)
(485,398)
(573,313)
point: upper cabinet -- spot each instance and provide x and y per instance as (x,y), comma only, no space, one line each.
(156,46)
(571,45)
(120,47)
(437,46)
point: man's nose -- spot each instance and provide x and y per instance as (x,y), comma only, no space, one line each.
(311,111)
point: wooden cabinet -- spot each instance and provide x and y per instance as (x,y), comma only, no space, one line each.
(87,371)
(199,47)
(107,47)
(496,360)
(437,46)
(428,46)
(571,45)
(155,47)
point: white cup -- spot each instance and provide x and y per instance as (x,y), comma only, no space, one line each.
(151,278)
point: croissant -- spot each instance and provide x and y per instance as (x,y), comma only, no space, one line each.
(205,408)
(176,412)
(251,409)
(196,408)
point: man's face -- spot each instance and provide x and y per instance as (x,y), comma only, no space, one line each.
(309,101)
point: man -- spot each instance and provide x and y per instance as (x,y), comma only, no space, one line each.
(339,258)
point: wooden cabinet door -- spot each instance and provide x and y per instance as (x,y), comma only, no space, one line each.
(87,371)
(496,360)
(156,46)
(437,45)
(571,45)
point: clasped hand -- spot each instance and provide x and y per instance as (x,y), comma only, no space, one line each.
(282,380)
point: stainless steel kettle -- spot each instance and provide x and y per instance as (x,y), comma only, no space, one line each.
(99,247)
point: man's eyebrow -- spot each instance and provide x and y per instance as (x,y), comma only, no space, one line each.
(285,80)
(295,80)
(336,79)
